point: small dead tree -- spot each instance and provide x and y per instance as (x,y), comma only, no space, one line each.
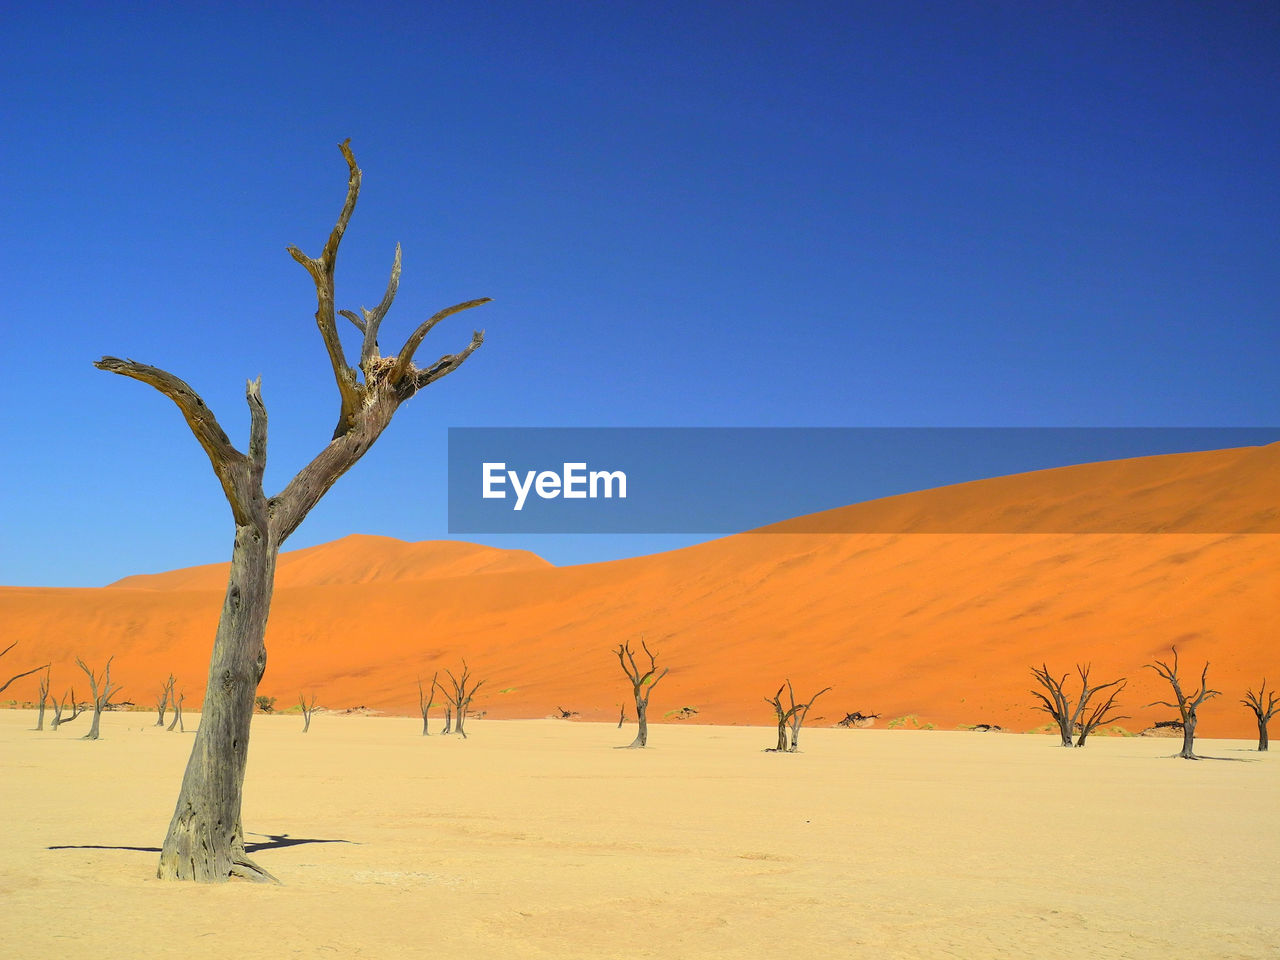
(1187,702)
(166,694)
(177,714)
(642,683)
(44,696)
(790,714)
(622,716)
(1055,702)
(205,841)
(461,697)
(1101,712)
(307,710)
(18,676)
(448,719)
(427,700)
(102,690)
(59,706)
(1263,713)
(798,716)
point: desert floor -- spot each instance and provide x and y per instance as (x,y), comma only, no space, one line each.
(537,839)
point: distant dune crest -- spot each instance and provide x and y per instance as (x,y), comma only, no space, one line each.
(921,628)
(358,558)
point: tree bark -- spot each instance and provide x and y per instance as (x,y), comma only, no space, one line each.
(166,694)
(1262,734)
(1189,738)
(44,696)
(205,840)
(642,719)
(177,715)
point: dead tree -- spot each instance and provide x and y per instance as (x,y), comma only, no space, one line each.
(18,676)
(44,696)
(102,690)
(1055,702)
(59,706)
(798,716)
(783,715)
(177,714)
(790,714)
(1263,713)
(1101,712)
(448,719)
(622,716)
(461,698)
(166,694)
(642,684)
(1188,702)
(205,841)
(307,710)
(427,701)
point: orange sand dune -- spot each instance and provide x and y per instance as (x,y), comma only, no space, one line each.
(357,558)
(943,626)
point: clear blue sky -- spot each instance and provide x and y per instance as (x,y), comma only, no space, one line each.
(738,214)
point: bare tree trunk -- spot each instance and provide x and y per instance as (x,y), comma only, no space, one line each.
(642,734)
(177,715)
(307,711)
(1189,738)
(44,695)
(427,701)
(448,719)
(622,716)
(205,841)
(1262,734)
(166,694)
(102,690)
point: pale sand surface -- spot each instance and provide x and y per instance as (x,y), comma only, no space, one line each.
(535,839)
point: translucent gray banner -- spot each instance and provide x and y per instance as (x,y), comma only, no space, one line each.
(864,479)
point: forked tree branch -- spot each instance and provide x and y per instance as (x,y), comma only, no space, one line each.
(322,270)
(257,431)
(404,359)
(232,467)
(1186,704)
(373,319)
(1251,700)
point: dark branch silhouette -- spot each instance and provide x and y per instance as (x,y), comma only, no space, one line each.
(1187,702)
(1263,712)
